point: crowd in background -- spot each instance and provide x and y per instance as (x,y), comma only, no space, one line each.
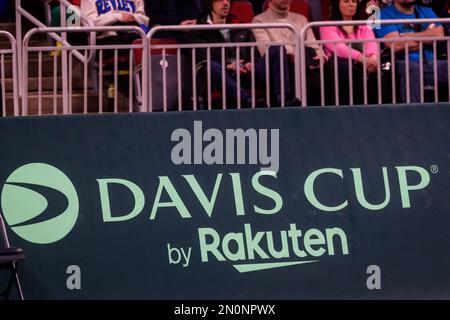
(364,57)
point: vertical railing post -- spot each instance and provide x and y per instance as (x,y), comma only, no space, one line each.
(15,63)
(300,56)
(298,79)
(19,45)
(145,74)
(24,77)
(64,60)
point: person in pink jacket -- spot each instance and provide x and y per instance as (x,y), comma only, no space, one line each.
(360,53)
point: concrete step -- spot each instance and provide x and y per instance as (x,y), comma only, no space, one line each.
(33,65)
(11,28)
(36,41)
(47,84)
(77,104)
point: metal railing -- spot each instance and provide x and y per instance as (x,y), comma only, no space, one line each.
(393,67)
(21,12)
(12,66)
(62,91)
(191,49)
(165,55)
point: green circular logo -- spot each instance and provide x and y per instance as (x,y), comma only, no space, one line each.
(39,203)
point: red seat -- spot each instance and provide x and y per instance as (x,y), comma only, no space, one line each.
(156,51)
(138,53)
(241,12)
(297,6)
(75,2)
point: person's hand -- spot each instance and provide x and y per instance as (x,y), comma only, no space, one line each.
(371,63)
(243,67)
(317,62)
(188,22)
(247,67)
(407,34)
(127,17)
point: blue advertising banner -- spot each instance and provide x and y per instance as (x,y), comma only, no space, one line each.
(298,203)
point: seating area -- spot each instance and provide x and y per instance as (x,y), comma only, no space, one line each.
(72,76)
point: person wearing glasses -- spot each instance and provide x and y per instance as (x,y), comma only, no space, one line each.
(408,9)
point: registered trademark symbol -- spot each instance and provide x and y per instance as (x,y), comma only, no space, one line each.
(434,169)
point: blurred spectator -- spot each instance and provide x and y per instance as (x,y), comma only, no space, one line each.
(218,14)
(278,12)
(116,13)
(436,5)
(407,9)
(360,53)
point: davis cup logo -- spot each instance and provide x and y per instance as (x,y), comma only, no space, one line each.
(39,203)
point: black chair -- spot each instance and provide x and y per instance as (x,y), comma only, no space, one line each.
(9,261)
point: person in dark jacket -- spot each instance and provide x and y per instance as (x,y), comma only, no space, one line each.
(217,12)
(172,12)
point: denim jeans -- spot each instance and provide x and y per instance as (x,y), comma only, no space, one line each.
(414,77)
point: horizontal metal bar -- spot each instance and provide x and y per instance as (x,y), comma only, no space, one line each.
(102,47)
(372,22)
(377,40)
(221,45)
(238,26)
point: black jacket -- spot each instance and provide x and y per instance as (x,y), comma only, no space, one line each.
(215,36)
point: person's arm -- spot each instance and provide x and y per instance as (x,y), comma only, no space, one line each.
(199,37)
(401,45)
(371,47)
(89,9)
(342,49)
(261,35)
(311,37)
(140,14)
(431,31)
